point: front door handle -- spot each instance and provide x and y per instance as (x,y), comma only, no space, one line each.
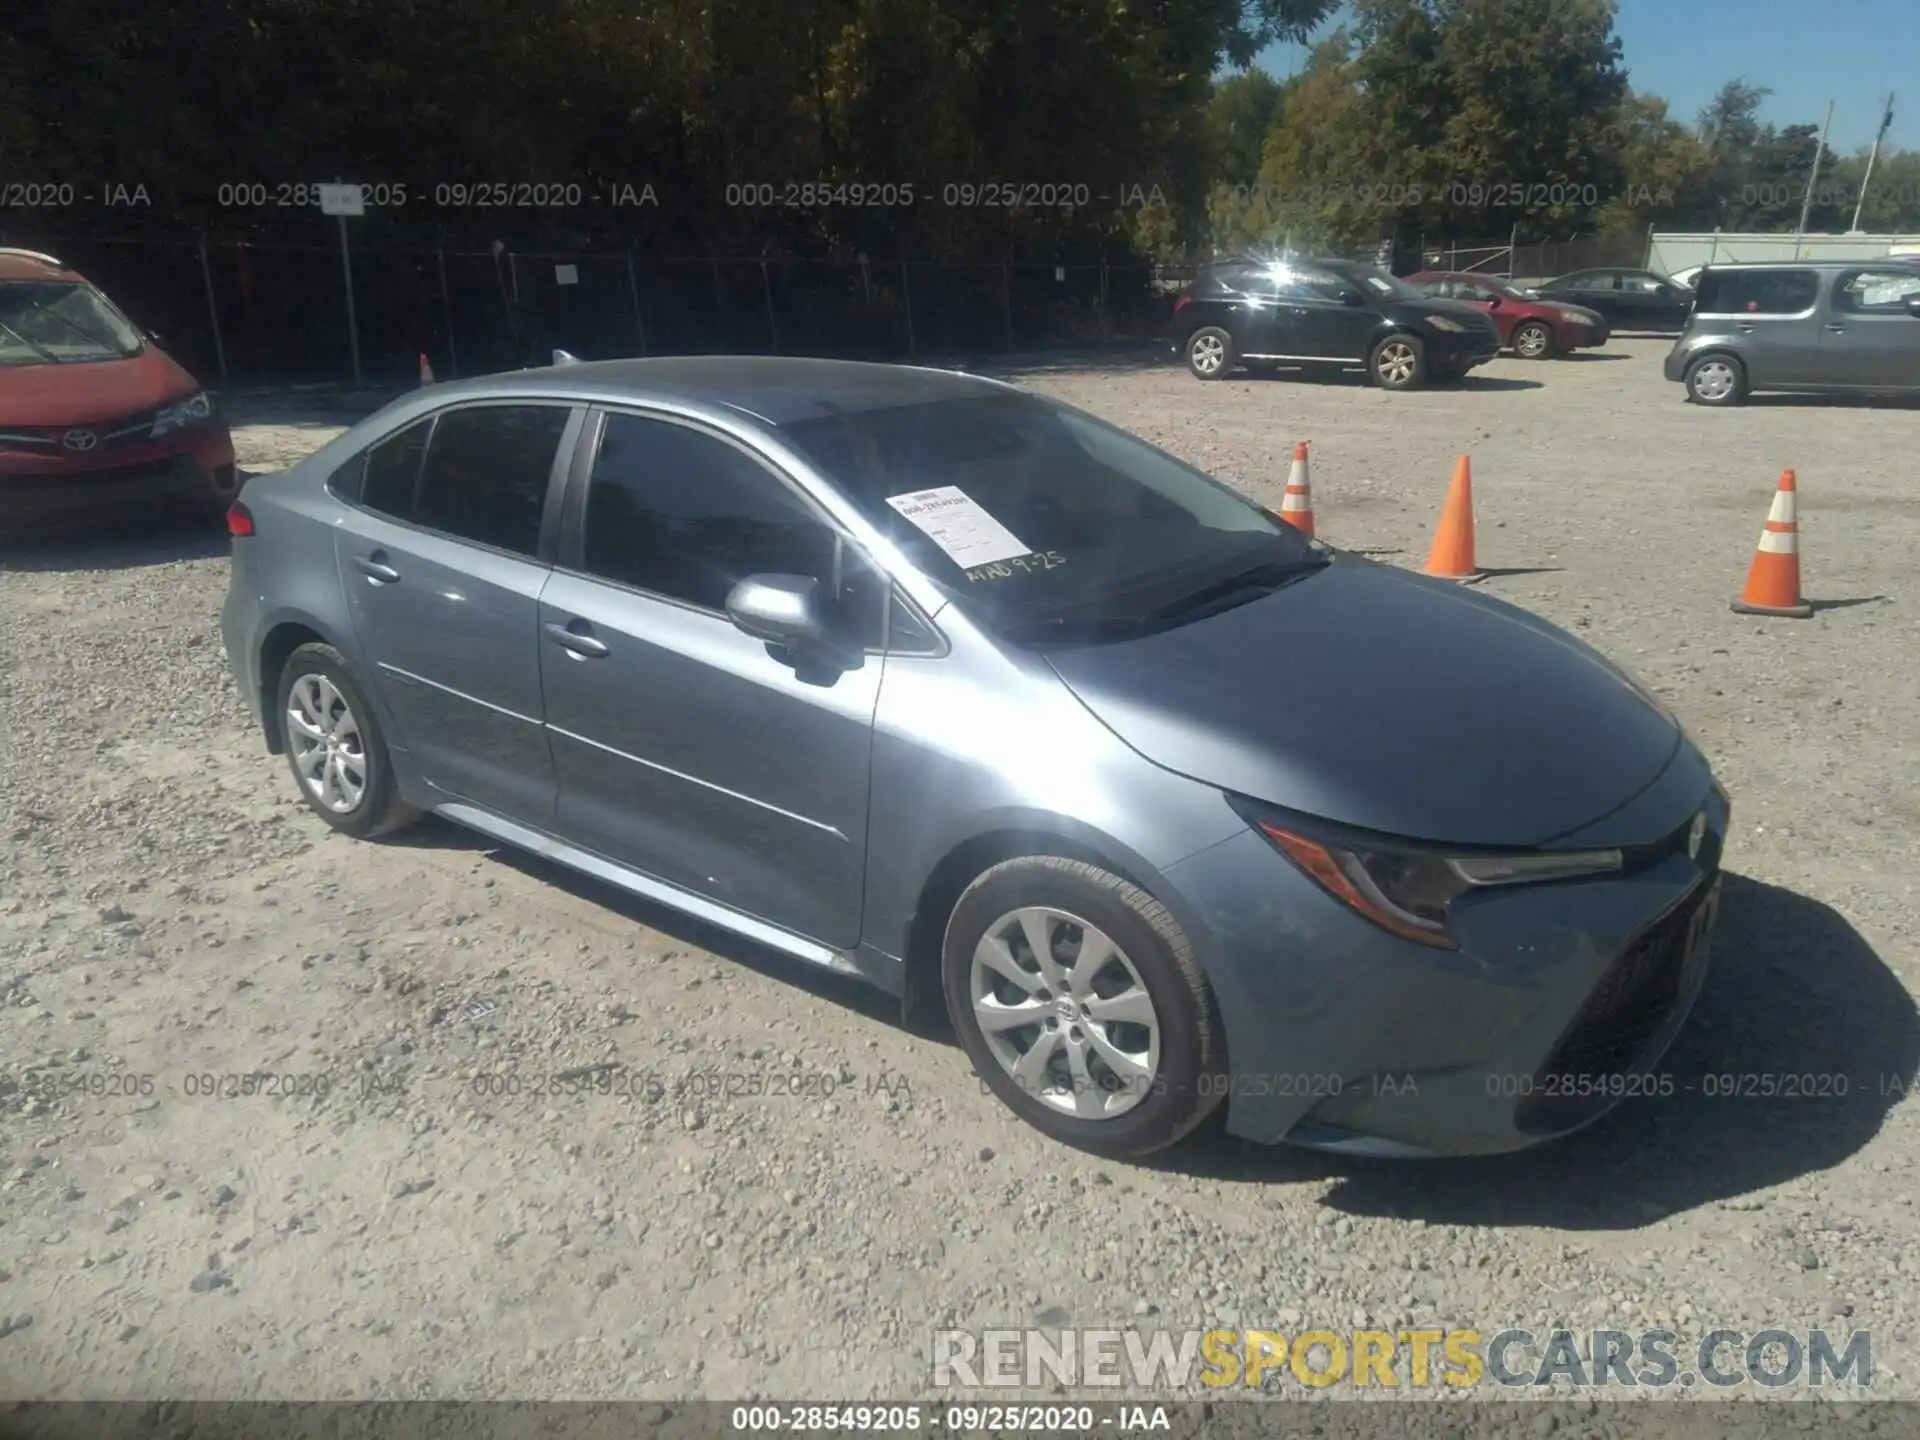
(375,567)
(1836,329)
(584,646)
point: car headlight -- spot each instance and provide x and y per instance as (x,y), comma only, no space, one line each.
(1407,892)
(190,411)
(1574,316)
(1441,322)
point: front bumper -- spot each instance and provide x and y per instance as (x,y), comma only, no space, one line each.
(1462,352)
(187,466)
(1559,1001)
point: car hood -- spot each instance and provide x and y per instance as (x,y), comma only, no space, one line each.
(1376,698)
(90,390)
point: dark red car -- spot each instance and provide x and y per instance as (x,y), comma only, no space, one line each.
(1533,329)
(93,414)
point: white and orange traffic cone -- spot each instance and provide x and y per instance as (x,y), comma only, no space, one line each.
(1773,582)
(426,370)
(1296,506)
(1452,555)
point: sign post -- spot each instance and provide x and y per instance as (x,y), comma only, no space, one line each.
(341,201)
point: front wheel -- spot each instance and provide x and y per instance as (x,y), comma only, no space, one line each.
(1534,341)
(1210,353)
(1716,380)
(1398,362)
(1079,1001)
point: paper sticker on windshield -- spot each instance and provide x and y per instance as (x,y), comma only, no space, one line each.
(954,521)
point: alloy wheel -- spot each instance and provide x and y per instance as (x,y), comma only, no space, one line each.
(1065,1012)
(329,750)
(1209,354)
(1397,363)
(1531,343)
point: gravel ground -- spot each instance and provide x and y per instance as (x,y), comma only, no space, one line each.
(168,911)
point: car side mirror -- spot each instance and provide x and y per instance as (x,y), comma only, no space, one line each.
(1913,306)
(1352,298)
(1493,302)
(780,609)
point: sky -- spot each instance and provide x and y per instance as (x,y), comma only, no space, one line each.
(1851,52)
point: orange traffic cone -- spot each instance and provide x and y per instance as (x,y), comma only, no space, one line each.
(1773,582)
(426,370)
(1452,555)
(1296,506)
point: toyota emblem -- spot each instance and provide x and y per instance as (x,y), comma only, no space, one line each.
(79,439)
(1696,834)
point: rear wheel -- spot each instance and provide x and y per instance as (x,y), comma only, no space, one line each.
(1716,380)
(1534,341)
(1398,362)
(1210,353)
(1079,1001)
(334,746)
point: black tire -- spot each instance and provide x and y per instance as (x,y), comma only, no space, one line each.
(1533,340)
(1191,1077)
(1708,374)
(217,491)
(379,808)
(1210,353)
(1386,366)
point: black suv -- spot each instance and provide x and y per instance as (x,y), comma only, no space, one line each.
(1272,313)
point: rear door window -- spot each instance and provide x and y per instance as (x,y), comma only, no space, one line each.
(486,474)
(1877,292)
(1757,292)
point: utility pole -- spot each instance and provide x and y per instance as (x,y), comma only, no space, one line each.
(1806,206)
(1886,123)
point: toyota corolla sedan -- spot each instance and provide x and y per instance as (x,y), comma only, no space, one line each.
(926,679)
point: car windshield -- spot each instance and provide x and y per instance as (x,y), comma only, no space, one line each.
(1381,282)
(1044,522)
(52,322)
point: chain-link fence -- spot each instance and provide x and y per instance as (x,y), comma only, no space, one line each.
(279,312)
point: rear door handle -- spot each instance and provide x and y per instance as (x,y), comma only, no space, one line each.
(375,567)
(1836,329)
(584,646)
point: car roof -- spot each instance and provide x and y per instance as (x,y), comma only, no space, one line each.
(1459,275)
(778,390)
(1820,264)
(32,265)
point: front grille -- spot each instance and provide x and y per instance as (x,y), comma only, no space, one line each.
(68,480)
(1610,1035)
(108,434)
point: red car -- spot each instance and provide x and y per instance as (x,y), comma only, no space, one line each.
(1532,329)
(93,414)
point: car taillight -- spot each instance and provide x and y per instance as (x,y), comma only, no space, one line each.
(239,519)
(1182,303)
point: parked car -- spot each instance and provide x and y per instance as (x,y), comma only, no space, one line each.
(923,678)
(1689,277)
(93,413)
(1269,314)
(1815,325)
(1532,329)
(1629,299)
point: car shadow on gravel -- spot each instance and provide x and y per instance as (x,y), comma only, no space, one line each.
(1801,1043)
(1834,402)
(127,541)
(434,833)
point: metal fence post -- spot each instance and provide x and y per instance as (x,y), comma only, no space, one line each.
(1006,300)
(766,289)
(1104,329)
(906,295)
(213,310)
(446,309)
(633,288)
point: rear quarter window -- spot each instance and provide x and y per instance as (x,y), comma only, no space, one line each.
(1757,292)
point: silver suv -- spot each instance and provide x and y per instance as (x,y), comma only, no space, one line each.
(1815,325)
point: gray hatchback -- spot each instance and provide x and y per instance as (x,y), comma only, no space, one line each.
(929,680)
(1826,325)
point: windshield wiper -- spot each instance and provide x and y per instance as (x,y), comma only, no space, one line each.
(1248,584)
(46,355)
